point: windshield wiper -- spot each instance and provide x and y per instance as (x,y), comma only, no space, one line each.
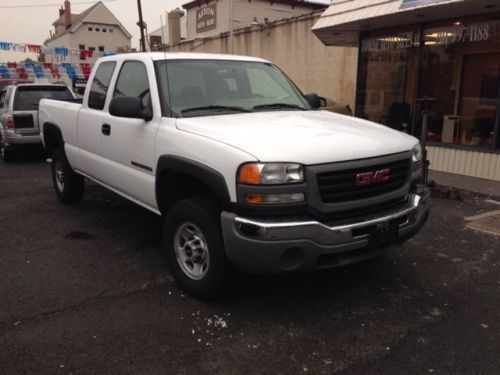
(279,106)
(215,108)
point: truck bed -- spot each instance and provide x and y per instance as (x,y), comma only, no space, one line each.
(60,112)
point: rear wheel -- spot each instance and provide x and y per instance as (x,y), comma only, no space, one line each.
(68,185)
(194,246)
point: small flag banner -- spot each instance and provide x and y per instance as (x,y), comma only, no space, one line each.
(46,71)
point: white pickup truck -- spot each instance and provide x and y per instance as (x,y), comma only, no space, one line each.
(245,169)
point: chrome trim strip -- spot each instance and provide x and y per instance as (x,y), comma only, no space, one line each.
(415,201)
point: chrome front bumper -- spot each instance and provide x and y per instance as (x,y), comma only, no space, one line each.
(275,246)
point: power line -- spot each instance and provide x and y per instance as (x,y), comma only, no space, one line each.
(48,5)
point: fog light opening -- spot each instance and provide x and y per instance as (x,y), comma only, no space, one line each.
(292,259)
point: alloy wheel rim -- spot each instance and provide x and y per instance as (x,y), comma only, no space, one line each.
(191,251)
(59,174)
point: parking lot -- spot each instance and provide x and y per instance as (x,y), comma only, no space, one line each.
(84,290)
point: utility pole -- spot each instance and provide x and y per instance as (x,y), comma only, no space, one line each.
(231,30)
(141,26)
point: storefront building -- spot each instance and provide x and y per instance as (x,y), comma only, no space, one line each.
(432,59)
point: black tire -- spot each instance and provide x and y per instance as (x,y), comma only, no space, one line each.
(7,155)
(68,185)
(194,215)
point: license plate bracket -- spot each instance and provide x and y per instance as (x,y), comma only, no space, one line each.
(384,233)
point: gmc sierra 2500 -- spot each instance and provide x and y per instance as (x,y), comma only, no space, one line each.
(246,170)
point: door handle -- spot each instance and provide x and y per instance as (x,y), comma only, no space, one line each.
(106,129)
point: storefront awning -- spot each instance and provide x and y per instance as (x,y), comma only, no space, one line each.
(342,22)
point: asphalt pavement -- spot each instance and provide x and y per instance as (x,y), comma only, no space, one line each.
(84,290)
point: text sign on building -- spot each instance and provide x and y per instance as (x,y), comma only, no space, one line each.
(416,3)
(206,18)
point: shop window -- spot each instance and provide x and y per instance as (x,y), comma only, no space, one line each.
(461,74)
(387,79)
(457,88)
(81,46)
(101,48)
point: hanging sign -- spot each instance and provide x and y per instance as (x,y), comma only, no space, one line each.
(206,18)
(472,33)
(391,42)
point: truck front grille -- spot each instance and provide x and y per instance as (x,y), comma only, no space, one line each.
(365,212)
(341,185)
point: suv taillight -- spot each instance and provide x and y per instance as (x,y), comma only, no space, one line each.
(10,123)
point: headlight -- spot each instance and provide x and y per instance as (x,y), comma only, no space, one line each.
(416,153)
(270,173)
(416,165)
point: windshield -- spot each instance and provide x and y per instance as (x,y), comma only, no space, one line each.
(28,97)
(203,87)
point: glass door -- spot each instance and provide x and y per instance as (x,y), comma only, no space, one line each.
(478,100)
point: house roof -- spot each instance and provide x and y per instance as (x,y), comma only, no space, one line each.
(293,3)
(77,20)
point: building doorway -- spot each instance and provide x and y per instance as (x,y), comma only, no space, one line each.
(479,95)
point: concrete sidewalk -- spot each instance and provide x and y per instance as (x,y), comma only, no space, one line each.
(474,184)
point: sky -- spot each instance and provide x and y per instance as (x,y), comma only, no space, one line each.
(32,24)
(29,21)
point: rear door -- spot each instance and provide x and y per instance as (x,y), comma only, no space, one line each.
(93,114)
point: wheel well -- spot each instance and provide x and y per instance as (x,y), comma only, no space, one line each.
(52,138)
(175,186)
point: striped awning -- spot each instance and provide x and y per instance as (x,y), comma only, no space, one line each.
(342,22)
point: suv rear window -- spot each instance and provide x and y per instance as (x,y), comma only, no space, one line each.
(28,97)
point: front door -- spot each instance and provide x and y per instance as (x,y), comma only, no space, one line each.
(129,144)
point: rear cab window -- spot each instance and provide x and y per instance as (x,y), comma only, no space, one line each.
(100,85)
(27,98)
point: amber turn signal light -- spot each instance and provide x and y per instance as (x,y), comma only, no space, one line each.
(249,174)
(253,198)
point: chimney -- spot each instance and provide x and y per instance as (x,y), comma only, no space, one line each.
(61,11)
(67,14)
(174,26)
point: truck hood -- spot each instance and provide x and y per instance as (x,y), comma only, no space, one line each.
(306,137)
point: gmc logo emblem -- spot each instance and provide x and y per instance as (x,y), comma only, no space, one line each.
(372,178)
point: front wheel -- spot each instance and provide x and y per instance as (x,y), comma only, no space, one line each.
(68,184)
(194,247)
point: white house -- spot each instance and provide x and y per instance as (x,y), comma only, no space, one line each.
(86,35)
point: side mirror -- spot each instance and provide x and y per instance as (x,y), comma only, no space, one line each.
(130,107)
(315,101)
